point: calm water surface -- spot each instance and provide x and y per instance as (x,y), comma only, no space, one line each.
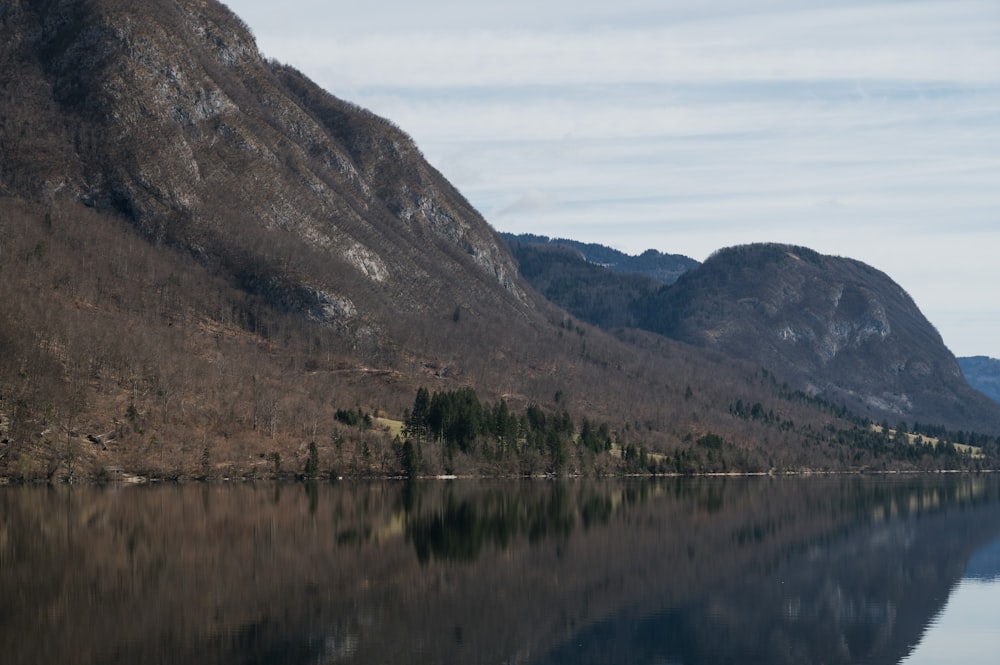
(817,570)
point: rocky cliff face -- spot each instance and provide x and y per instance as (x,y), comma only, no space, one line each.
(834,327)
(167,113)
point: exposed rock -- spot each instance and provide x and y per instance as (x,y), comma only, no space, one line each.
(210,147)
(833,327)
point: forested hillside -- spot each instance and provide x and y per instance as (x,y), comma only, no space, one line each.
(664,268)
(587,290)
(209,264)
(829,326)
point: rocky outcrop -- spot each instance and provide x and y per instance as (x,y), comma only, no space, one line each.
(831,326)
(167,113)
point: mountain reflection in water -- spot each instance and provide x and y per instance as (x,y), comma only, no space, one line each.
(815,570)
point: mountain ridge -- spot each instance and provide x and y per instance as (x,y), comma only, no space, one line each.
(983,374)
(213,267)
(217,127)
(652,263)
(831,326)
(836,326)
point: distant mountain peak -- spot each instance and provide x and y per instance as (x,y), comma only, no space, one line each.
(834,326)
(652,263)
(983,374)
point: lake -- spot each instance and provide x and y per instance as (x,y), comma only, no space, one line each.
(686,570)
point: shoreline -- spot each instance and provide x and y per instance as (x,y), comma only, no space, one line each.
(122,479)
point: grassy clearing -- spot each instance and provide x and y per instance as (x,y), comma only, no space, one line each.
(617,451)
(975,452)
(393,427)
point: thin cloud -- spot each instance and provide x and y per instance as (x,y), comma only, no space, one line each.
(952,41)
(530,202)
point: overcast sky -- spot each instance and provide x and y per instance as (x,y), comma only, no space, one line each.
(867,129)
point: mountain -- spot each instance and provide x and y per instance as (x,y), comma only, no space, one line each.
(208,261)
(588,290)
(665,268)
(167,114)
(983,374)
(212,267)
(178,208)
(833,326)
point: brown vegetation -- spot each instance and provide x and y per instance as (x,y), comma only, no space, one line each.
(122,355)
(205,257)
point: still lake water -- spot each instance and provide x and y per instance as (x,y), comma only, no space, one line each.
(736,570)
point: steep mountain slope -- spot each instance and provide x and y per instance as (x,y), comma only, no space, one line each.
(206,259)
(166,112)
(983,374)
(833,326)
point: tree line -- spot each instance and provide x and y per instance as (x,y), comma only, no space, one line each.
(452,429)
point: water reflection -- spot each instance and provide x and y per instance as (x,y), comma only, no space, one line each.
(985,564)
(966,631)
(968,623)
(833,570)
(500,515)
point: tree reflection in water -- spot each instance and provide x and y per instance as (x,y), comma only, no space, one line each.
(834,570)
